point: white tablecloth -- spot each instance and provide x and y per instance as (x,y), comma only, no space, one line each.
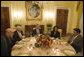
(26,47)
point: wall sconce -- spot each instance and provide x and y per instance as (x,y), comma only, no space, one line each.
(17,14)
(48,15)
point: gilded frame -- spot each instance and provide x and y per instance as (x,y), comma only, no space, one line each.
(28,16)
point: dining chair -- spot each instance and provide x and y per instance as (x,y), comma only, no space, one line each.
(60,30)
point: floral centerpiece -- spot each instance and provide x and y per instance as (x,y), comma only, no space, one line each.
(44,41)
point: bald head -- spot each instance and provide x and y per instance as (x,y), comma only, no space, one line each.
(19,28)
(9,32)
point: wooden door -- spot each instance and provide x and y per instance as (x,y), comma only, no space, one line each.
(5,20)
(61,20)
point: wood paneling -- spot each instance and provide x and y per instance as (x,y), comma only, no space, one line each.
(5,20)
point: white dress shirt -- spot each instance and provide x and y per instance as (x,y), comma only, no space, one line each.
(74,38)
(38,31)
(20,35)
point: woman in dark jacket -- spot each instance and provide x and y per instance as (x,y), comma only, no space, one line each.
(55,32)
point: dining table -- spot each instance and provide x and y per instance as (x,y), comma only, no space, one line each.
(26,47)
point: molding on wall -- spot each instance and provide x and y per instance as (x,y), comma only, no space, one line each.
(81,24)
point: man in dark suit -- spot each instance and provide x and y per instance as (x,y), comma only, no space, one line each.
(37,30)
(4,47)
(18,34)
(7,42)
(76,40)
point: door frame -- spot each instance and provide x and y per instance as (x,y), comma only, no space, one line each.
(9,13)
(68,20)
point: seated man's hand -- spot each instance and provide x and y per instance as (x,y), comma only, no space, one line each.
(17,42)
(23,37)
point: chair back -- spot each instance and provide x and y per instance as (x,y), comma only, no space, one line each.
(60,30)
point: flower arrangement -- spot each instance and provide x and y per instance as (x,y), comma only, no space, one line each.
(44,41)
(49,25)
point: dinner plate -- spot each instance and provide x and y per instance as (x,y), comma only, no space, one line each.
(69,52)
(27,40)
(18,46)
(64,43)
(20,43)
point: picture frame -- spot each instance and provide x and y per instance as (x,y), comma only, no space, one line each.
(33,11)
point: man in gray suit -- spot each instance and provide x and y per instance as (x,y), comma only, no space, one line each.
(76,40)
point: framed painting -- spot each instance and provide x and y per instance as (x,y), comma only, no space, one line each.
(33,11)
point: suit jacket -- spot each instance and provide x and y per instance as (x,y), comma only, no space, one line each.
(56,35)
(34,32)
(8,44)
(16,36)
(4,47)
(78,43)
